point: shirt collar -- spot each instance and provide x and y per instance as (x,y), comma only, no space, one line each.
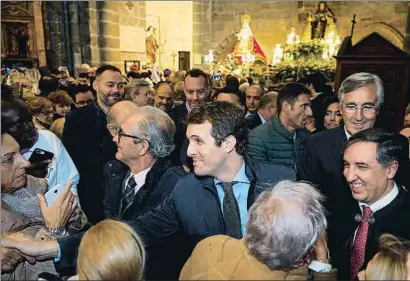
(386,200)
(141,176)
(239,177)
(188,107)
(262,119)
(348,136)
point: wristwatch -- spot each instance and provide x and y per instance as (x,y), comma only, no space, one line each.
(56,231)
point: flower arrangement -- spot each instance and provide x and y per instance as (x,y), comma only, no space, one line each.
(285,73)
(310,49)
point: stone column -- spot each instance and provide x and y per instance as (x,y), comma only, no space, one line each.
(57,53)
(75,35)
(202,29)
(38,25)
(406,45)
(109,33)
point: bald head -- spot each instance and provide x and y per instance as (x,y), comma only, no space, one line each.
(118,113)
(253,97)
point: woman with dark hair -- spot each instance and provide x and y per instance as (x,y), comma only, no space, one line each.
(331,116)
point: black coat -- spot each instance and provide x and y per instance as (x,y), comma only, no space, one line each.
(178,114)
(192,210)
(159,183)
(253,121)
(90,145)
(322,164)
(393,219)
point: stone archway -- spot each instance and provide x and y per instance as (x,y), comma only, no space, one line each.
(388,32)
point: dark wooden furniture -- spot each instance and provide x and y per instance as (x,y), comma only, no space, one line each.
(377,55)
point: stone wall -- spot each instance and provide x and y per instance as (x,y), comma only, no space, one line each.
(132,14)
(272,21)
(176,29)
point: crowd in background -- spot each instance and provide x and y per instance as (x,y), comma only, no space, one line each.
(217,177)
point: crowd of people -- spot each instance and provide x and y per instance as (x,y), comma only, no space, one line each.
(175,178)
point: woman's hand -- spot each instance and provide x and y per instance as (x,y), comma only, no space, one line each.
(58,214)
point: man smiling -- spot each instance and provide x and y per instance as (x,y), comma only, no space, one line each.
(371,161)
(89,142)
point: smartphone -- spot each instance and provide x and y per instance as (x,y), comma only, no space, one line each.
(40,155)
(52,194)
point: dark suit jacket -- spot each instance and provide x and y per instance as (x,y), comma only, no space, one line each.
(159,183)
(90,145)
(393,219)
(322,164)
(193,210)
(178,114)
(253,121)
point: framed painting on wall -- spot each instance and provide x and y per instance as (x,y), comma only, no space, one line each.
(132,65)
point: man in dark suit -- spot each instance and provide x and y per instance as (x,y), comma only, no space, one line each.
(360,96)
(197,89)
(213,200)
(371,161)
(267,110)
(89,142)
(142,177)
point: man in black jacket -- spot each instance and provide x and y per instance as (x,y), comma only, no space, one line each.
(142,177)
(213,200)
(89,142)
(267,110)
(371,160)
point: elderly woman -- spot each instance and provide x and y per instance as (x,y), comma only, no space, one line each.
(284,225)
(25,212)
(42,111)
(392,262)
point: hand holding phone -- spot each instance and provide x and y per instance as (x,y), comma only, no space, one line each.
(58,213)
(53,193)
(40,160)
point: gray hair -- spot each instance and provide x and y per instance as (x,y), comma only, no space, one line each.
(284,224)
(268,98)
(359,80)
(408,109)
(158,129)
(134,86)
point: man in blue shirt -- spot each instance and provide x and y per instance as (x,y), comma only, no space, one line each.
(214,199)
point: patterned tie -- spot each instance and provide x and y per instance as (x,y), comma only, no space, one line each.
(231,211)
(129,194)
(359,245)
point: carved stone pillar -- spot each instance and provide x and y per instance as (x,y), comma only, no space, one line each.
(406,45)
(75,35)
(109,33)
(38,25)
(56,54)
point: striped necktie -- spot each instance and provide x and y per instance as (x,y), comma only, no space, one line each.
(129,194)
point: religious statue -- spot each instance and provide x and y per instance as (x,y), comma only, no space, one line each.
(247,44)
(322,22)
(151,45)
(18,42)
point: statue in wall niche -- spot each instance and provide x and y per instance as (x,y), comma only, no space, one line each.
(323,22)
(18,41)
(151,45)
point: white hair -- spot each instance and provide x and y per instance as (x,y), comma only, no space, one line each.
(359,80)
(284,223)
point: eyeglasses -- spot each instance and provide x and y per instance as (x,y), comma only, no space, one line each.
(121,134)
(366,109)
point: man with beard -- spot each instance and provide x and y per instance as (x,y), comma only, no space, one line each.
(89,142)
(281,141)
(16,120)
